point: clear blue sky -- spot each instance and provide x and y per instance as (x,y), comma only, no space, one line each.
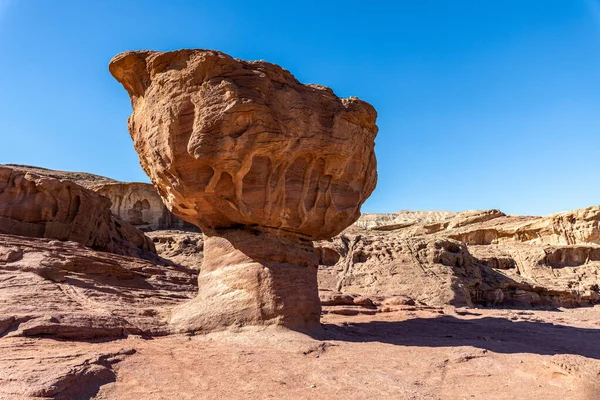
(482,103)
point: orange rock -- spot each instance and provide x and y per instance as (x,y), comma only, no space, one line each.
(140,205)
(43,207)
(135,202)
(243,149)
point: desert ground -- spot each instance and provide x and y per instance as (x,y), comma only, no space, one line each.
(412,353)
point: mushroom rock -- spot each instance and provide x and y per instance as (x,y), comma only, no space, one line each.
(261,163)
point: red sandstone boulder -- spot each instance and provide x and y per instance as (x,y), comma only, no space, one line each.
(261,163)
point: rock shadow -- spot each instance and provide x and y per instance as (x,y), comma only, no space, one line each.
(499,335)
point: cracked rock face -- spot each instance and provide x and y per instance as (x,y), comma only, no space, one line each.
(256,160)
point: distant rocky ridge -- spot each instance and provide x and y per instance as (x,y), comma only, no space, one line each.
(471,258)
(44,207)
(400,219)
(135,202)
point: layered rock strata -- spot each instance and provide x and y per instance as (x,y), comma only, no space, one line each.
(139,204)
(43,207)
(470,258)
(261,163)
(66,290)
(135,202)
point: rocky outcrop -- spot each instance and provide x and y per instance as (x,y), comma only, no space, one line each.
(84,179)
(400,219)
(139,204)
(66,290)
(471,258)
(135,202)
(43,207)
(568,228)
(261,163)
(181,247)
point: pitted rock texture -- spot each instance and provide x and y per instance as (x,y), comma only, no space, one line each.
(262,164)
(470,258)
(135,202)
(423,260)
(231,142)
(140,205)
(65,290)
(181,247)
(43,207)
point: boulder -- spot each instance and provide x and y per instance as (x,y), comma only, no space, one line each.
(261,163)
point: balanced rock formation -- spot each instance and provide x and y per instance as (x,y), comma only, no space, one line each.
(261,163)
(43,207)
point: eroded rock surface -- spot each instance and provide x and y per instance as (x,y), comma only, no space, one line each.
(246,143)
(181,247)
(66,290)
(416,353)
(44,207)
(400,219)
(140,205)
(385,296)
(61,370)
(261,163)
(436,269)
(135,202)
(471,258)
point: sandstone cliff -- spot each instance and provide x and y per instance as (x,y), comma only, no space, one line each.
(135,202)
(44,207)
(140,205)
(468,258)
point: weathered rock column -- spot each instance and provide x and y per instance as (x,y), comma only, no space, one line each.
(261,163)
(254,277)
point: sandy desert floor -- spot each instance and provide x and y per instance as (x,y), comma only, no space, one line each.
(412,353)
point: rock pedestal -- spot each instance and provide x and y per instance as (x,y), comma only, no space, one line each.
(261,163)
(254,276)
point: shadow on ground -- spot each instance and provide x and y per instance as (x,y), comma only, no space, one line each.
(495,334)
